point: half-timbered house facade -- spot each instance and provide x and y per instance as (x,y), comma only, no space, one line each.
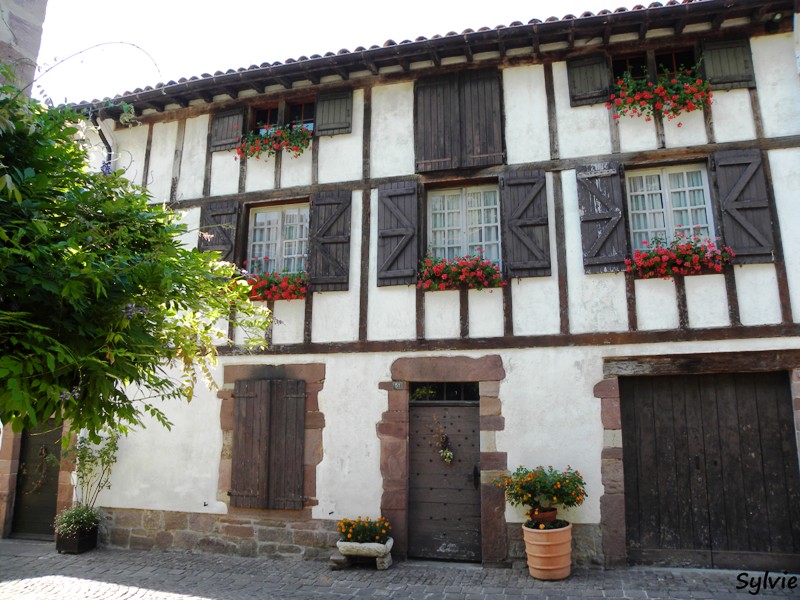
(678,399)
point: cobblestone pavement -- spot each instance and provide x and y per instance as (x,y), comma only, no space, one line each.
(34,570)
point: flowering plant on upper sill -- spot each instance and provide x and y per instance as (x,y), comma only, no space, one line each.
(278,285)
(364,530)
(671,95)
(684,255)
(293,139)
(472,272)
(542,489)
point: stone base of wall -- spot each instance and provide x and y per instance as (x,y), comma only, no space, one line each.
(243,535)
(587,544)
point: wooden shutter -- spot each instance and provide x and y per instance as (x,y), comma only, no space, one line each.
(600,202)
(334,113)
(268,444)
(226,129)
(526,234)
(398,226)
(727,64)
(480,120)
(218,222)
(436,123)
(744,204)
(329,240)
(588,79)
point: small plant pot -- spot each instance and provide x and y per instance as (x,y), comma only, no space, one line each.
(77,544)
(549,552)
(380,552)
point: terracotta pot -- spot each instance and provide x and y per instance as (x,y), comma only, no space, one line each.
(549,552)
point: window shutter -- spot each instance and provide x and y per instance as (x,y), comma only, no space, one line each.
(334,113)
(525,227)
(436,124)
(600,202)
(728,64)
(744,204)
(480,120)
(218,221)
(268,441)
(398,225)
(588,79)
(226,129)
(329,240)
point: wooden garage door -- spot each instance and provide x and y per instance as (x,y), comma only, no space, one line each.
(444,501)
(711,471)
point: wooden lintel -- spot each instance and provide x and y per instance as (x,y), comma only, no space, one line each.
(712,362)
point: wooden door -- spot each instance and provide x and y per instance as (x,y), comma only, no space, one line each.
(444,503)
(711,471)
(37,482)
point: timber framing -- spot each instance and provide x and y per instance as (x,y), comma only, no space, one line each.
(516,44)
(696,364)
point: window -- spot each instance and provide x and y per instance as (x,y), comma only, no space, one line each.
(301,113)
(278,239)
(662,202)
(463,220)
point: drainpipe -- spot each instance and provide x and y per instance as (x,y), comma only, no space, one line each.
(103,138)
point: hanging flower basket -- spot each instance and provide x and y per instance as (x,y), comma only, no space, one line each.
(683,256)
(670,96)
(292,139)
(472,272)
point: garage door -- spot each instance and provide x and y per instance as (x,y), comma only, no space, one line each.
(711,471)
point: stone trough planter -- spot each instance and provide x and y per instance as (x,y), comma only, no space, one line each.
(380,552)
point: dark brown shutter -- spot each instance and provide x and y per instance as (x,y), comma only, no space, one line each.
(481,121)
(398,223)
(600,202)
(218,221)
(329,240)
(268,444)
(251,413)
(588,79)
(727,64)
(286,443)
(526,236)
(436,123)
(744,203)
(226,129)
(334,113)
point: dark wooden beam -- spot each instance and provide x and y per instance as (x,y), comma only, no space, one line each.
(182,102)
(369,63)
(232,92)
(716,22)
(342,72)
(154,105)
(312,77)
(433,55)
(283,81)
(679,26)
(712,362)
(643,29)
(607,34)
(468,52)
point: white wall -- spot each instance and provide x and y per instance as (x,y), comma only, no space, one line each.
(193,160)
(392,130)
(162,157)
(129,151)
(525,102)
(777,83)
(786,182)
(340,156)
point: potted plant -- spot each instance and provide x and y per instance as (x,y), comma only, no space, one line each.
(548,540)
(366,538)
(76,527)
(269,139)
(471,272)
(685,255)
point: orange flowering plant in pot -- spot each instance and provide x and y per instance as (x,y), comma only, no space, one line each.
(548,540)
(366,538)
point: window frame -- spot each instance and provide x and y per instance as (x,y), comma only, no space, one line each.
(283,208)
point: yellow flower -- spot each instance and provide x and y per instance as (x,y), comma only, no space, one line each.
(541,525)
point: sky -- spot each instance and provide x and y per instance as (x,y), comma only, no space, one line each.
(94,50)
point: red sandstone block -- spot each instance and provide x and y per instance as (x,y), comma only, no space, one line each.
(610,413)
(241,531)
(312,453)
(315,420)
(392,429)
(176,520)
(226,414)
(494,461)
(608,388)
(490,406)
(492,423)
(119,537)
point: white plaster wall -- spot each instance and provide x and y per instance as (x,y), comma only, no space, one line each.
(193,159)
(442,315)
(535,305)
(786,181)
(757,292)
(777,83)
(340,156)
(485,313)
(636,134)
(597,302)
(391,310)
(335,314)
(687,129)
(582,130)
(707,301)
(129,152)
(95,149)
(260,174)
(162,156)
(527,132)
(296,171)
(732,114)
(224,173)
(289,319)
(656,304)
(392,130)
(191,218)
(143,477)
